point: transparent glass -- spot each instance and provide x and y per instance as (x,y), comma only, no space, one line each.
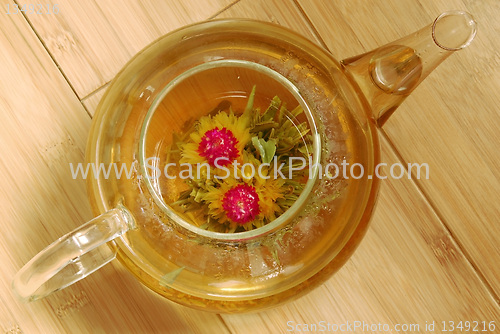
(202,66)
(183,76)
(387,75)
(72,257)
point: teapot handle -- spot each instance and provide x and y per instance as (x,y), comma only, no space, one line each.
(73,256)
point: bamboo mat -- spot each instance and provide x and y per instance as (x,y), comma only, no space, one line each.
(432,252)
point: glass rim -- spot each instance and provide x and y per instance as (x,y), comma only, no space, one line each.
(472,27)
(291,212)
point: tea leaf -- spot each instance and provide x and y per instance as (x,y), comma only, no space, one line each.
(263,126)
(266,149)
(170,277)
(297,111)
(275,133)
(272,109)
(249,107)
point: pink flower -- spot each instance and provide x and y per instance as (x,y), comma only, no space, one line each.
(219,144)
(241,204)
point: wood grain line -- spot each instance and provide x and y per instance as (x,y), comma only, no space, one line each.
(50,54)
(43,129)
(223,9)
(449,121)
(310,24)
(442,220)
(96,91)
(414,265)
(428,199)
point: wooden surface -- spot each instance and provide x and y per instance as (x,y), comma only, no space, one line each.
(432,251)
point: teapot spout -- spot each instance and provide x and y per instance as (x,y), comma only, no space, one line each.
(388,74)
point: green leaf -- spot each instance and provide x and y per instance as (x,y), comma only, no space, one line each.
(170,277)
(272,109)
(249,107)
(263,126)
(297,111)
(266,149)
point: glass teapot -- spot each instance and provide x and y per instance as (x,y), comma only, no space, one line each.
(198,84)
